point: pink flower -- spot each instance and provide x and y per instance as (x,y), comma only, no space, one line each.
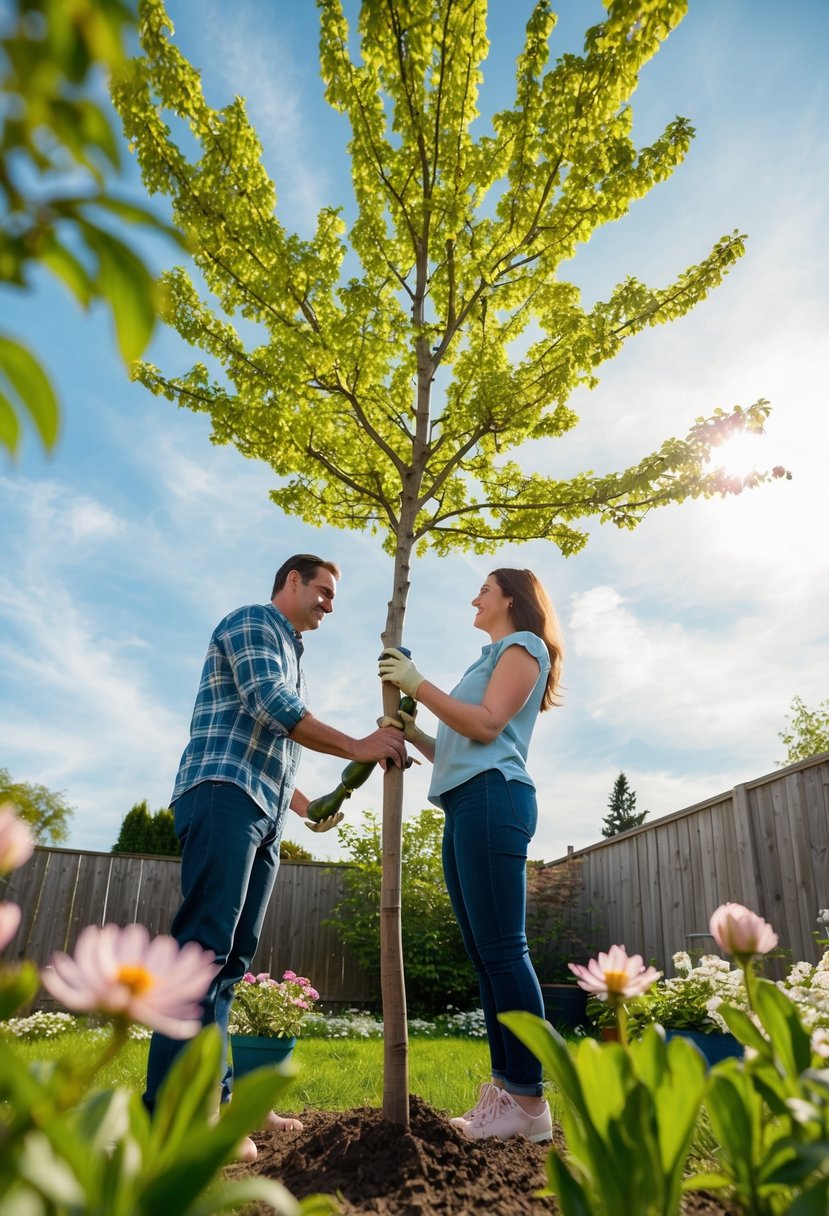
(741,932)
(120,971)
(615,975)
(16,840)
(312,993)
(9,922)
(289,975)
(249,977)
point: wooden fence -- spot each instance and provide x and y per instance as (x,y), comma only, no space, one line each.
(765,844)
(60,891)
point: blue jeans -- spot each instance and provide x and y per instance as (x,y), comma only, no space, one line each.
(229,860)
(489,824)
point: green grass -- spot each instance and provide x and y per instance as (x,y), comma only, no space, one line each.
(330,1074)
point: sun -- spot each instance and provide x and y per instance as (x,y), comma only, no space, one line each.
(740,455)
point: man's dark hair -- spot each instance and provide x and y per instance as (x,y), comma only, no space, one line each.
(306,566)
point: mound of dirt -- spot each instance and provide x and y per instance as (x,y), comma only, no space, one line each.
(432,1170)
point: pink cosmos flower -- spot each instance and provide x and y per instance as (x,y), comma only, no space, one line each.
(120,971)
(16,840)
(9,921)
(615,976)
(741,932)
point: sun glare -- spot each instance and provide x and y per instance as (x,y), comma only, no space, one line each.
(740,455)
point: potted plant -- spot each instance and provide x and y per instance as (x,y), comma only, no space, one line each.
(685,1004)
(266,1017)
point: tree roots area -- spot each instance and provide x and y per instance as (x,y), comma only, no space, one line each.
(371,1166)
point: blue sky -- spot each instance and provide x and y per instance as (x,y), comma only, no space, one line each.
(687,639)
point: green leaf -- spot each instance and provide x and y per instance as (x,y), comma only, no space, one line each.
(9,425)
(125,283)
(68,268)
(813,1202)
(227,1196)
(17,987)
(30,382)
(778,1014)
(572,1197)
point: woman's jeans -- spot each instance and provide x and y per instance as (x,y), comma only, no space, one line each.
(489,824)
(229,860)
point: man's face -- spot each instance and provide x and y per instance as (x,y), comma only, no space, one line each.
(310,602)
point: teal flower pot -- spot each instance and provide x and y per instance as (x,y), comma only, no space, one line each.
(250,1051)
(714,1047)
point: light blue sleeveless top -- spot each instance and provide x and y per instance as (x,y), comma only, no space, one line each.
(457,759)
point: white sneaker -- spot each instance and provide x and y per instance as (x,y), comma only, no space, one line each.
(503,1117)
(485,1095)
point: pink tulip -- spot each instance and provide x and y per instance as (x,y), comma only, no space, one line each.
(121,972)
(9,922)
(615,975)
(741,932)
(16,840)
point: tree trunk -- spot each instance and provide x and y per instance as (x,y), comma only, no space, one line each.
(392,977)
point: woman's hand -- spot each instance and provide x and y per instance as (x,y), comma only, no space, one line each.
(395,668)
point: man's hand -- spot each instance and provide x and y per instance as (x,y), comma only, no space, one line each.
(326,824)
(396,669)
(386,744)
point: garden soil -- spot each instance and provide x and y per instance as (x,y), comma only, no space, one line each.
(371,1166)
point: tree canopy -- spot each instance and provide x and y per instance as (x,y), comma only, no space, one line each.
(398,360)
(47,812)
(808,731)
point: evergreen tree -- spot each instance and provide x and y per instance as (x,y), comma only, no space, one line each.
(142,832)
(163,839)
(622,814)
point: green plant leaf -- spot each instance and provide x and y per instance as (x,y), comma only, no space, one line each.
(18,986)
(125,283)
(813,1202)
(572,1198)
(30,382)
(790,1040)
(70,269)
(9,425)
(227,1196)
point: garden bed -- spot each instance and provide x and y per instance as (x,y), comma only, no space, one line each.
(373,1167)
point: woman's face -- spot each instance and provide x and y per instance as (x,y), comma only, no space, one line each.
(493,608)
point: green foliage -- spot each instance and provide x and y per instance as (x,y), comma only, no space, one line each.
(58,149)
(454,259)
(808,733)
(438,972)
(622,814)
(289,850)
(101,1154)
(142,832)
(628,1116)
(770,1115)
(46,812)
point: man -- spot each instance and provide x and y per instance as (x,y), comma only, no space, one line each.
(236,781)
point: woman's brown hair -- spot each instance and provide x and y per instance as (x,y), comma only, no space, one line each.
(532,610)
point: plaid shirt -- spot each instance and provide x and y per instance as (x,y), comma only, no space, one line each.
(251,695)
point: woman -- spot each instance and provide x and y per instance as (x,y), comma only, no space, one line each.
(481,782)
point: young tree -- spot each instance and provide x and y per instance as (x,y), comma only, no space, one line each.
(46,812)
(808,733)
(622,814)
(389,389)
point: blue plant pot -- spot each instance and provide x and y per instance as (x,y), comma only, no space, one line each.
(714,1047)
(250,1051)
(565,1005)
